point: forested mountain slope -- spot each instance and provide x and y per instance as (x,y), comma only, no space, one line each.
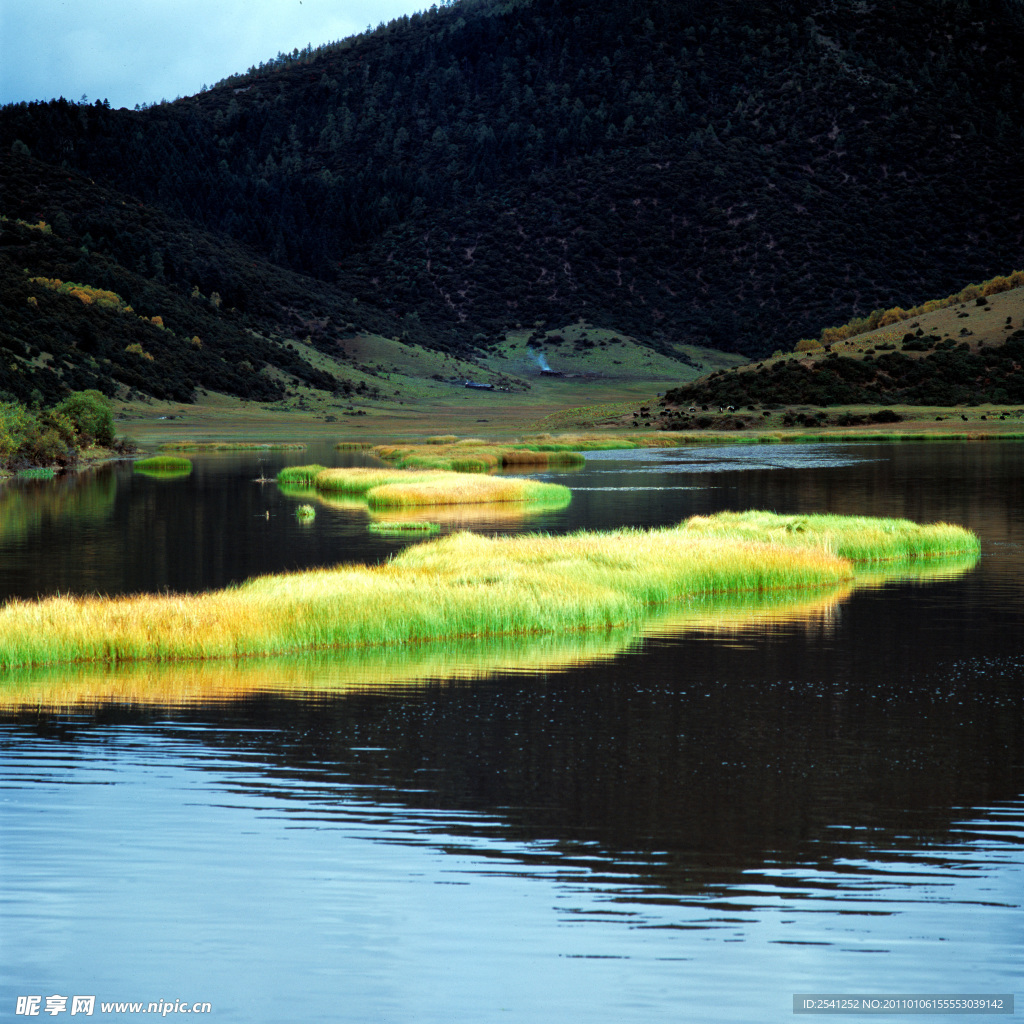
(722,172)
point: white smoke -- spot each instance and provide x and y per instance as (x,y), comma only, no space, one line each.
(541,359)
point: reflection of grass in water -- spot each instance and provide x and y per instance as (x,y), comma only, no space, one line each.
(76,497)
(466,517)
(930,570)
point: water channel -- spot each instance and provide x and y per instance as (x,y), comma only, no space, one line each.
(696,820)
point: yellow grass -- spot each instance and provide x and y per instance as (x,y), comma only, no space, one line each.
(460,586)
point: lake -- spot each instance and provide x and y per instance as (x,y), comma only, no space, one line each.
(694,820)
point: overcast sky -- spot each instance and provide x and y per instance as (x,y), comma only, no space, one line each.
(143,51)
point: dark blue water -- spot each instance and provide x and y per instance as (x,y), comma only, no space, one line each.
(693,822)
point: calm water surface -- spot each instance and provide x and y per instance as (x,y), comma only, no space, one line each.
(689,822)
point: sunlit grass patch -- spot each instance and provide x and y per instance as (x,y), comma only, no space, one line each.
(172,683)
(163,465)
(305,513)
(472,455)
(859,538)
(388,488)
(459,489)
(465,585)
(36,473)
(298,476)
(230,446)
(352,446)
(357,480)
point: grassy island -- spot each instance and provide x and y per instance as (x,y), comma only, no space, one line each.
(163,465)
(465,585)
(386,488)
(471,455)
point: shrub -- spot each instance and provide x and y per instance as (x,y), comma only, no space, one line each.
(91,415)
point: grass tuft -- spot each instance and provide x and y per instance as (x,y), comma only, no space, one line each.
(305,513)
(170,464)
(36,473)
(299,476)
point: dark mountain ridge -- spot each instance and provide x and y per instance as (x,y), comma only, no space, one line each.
(727,173)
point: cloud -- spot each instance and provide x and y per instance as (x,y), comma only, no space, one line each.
(142,51)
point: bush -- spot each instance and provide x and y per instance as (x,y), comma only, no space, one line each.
(91,415)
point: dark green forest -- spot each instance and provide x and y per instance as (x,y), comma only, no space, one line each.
(734,174)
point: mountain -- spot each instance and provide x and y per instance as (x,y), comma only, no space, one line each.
(965,350)
(726,173)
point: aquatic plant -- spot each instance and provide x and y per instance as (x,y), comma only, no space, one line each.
(410,526)
(864,539)
(305,512)
(471,455)
(36,473)
(163,464)
(391,488)
(299,475)
(462,585)
(457,489)
(230,446)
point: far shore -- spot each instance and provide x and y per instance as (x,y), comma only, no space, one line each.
(220,424)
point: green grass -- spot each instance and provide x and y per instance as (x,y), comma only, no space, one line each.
(412,526)
(299,476)
(305,513)
(397,488)
(170,464)
(471,455)
(862,539)
(230,446)
(36,473)
(465,585)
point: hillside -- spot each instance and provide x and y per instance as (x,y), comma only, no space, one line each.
(965,354)
(84,303)
(717,172)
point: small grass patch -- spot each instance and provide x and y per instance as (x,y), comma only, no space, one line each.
(466,585)
(305,513)
(163,464)
(230,446)
(396,488)
(472,455)
(36,473)
(412,527)
(300,476)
